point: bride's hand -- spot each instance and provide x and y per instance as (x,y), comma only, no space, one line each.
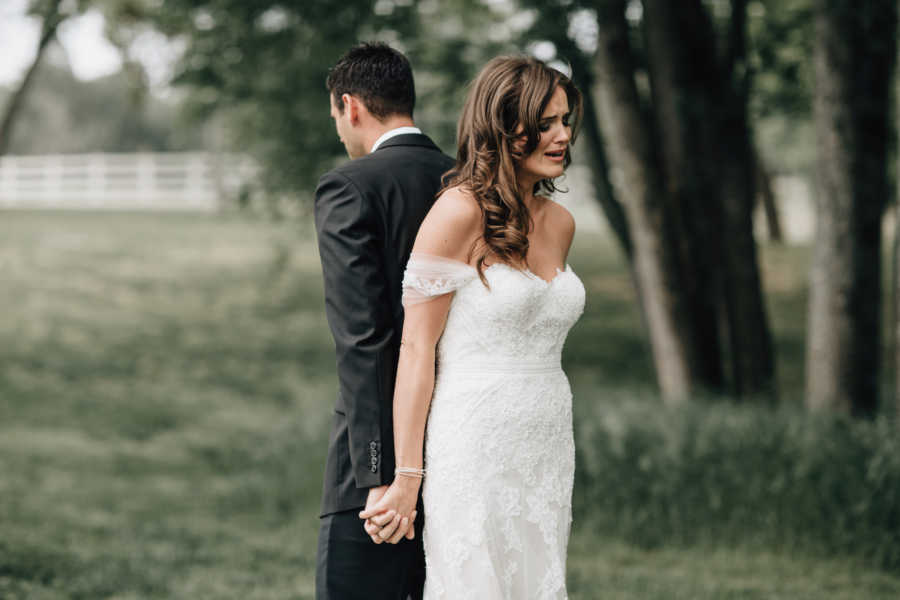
(394,513)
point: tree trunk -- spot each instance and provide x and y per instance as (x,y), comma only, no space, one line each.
(854,58)
(700,105)
(767,198)
(612,209)
(681,109)
(753,364)
(895,284)
(895,307)
(637,184)
(48,30)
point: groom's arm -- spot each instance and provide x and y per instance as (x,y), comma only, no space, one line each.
(358,309)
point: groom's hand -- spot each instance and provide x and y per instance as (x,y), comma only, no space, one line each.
(372,528)
(375,494)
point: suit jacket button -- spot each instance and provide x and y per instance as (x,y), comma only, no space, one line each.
(373,445)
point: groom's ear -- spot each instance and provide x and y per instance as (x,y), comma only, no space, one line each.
(352,106)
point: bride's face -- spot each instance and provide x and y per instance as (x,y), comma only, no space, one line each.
(547,160)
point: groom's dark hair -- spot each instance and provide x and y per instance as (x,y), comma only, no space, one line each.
(378,75)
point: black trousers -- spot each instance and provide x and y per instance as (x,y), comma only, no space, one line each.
(350,566)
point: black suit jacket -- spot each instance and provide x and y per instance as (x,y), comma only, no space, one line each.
(367,214)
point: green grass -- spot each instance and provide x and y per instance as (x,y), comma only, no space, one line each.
(615,571)
(165,390)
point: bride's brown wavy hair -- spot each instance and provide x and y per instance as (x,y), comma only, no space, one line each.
(510,91)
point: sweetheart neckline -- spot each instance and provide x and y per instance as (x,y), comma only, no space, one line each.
(533,275)
(527,272)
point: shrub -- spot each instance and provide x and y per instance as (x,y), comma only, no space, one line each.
(722,474)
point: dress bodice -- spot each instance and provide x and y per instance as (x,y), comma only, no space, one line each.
(517,319)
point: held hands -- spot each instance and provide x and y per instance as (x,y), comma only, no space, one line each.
(390,510)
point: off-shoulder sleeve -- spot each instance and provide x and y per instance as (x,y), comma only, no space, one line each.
(429,276)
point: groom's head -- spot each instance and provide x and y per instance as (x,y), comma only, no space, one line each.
(370,87)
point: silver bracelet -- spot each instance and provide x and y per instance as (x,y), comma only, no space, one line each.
(410,472)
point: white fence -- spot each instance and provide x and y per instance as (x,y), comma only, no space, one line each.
(175,181)
(206,182)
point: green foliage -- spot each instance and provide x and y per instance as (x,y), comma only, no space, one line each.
(264,64)
(780,37)
(713,474)
(453,39)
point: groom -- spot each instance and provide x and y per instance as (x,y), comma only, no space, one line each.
(367,212)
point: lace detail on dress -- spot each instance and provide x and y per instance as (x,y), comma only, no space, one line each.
(428,276)
(499,444)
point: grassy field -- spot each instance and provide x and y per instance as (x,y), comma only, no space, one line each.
(165,390)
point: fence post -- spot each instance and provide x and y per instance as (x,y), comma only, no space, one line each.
(8,174)
(96,179)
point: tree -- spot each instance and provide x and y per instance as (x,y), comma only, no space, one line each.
(855,49)
(51,17)
(681,62)
(895,310)
(66,114)
(630,145)
(119,15)
(700,83)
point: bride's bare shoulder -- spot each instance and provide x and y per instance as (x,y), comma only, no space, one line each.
(451,226)
(458,205)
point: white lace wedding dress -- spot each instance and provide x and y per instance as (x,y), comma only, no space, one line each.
(499,449)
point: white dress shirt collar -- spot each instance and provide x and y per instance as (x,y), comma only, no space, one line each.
(391,133)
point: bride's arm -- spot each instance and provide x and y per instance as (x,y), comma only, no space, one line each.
(448,232)
(423,325)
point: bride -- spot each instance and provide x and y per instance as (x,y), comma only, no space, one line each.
(482,410)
